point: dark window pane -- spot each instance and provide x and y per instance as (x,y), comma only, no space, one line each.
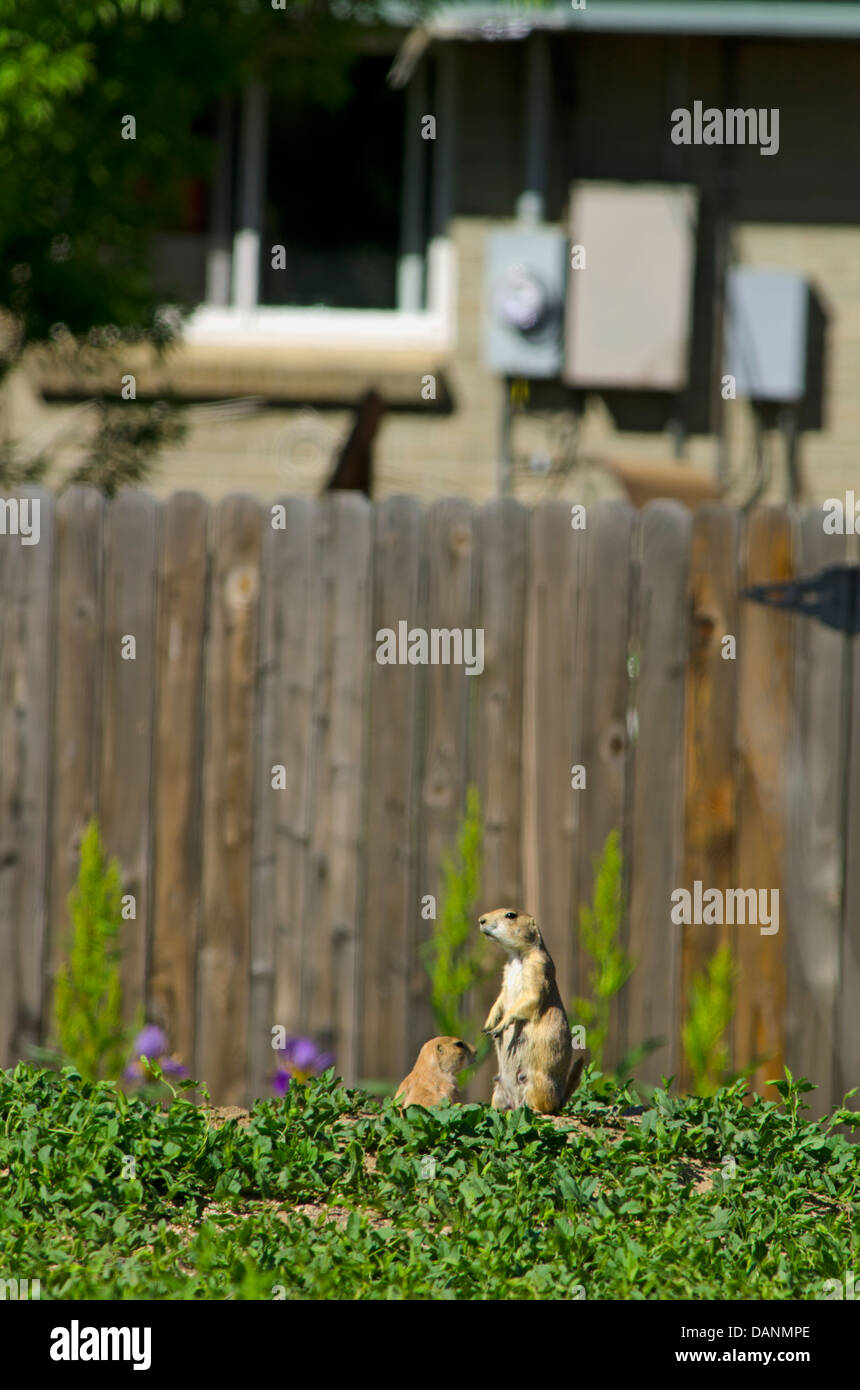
(333,196)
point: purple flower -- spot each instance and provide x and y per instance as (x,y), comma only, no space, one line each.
(301,1060)
(151,1042)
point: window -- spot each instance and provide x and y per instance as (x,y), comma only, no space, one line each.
(332,197)
(356,204)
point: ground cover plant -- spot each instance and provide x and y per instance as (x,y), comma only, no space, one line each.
(329,1194)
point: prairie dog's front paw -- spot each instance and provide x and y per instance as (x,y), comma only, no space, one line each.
(499,1028)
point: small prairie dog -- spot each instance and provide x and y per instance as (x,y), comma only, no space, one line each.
(433,1078)
(528,1021)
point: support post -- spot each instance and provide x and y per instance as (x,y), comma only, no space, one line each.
(252,163)
(531,204)
(218,255)
(410,266)
(439,258)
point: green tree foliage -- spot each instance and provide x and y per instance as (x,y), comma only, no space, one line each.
(79,203)
(87,1009)
(599,929)
(712,1005)
(127,438)
(455,953)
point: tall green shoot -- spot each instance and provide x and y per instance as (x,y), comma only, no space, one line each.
(455,954)
(610,967)
(87,1005)
(712,1005)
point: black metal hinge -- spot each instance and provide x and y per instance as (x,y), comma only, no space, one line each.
(833,596)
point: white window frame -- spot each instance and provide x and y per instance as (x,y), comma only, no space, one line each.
(231,316)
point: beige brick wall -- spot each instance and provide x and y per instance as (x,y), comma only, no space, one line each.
(612,95)
(433,455)
(287,450)
(830,257)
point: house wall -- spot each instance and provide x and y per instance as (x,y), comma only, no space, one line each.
(611,102)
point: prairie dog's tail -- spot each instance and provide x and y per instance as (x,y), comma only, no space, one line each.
(572,1079)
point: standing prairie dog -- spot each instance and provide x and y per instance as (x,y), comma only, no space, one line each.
(433,1078)
(528,1020)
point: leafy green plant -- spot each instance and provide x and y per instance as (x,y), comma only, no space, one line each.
(125,442)
(712,1005)
(19,472)
(109,1197)
(791,1091)
(455,954)
(599,930)
(87,1008)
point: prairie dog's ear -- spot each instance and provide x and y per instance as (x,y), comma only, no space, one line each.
(440,1048)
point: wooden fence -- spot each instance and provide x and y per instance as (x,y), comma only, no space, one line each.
(301,906)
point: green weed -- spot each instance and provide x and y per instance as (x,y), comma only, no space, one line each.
(455,955)
(87,1007)
(712,1005)
(610,966)
(330,1195)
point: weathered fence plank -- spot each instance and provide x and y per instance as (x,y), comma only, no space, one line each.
(26,680)
(444,732)
(339,829)
(710,710)
(9,987)
(764,736)
(601,734)
(657,808)
(265,816)
(846,1032)
(77,697)
(498,731)
(125,785)
(177,795)
(814,774)
(503,540)
(296,552)
(228,768)
(280,819)
(549,696)
(340,610)
(315,998)
(392,892)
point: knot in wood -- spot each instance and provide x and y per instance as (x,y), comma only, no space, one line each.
(704,622)
(460,538)
(242,585)
(614,741)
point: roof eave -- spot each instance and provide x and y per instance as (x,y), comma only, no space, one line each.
(790,19)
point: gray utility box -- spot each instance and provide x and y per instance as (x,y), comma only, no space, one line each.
(630,289)
(766,333)
(524,301)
